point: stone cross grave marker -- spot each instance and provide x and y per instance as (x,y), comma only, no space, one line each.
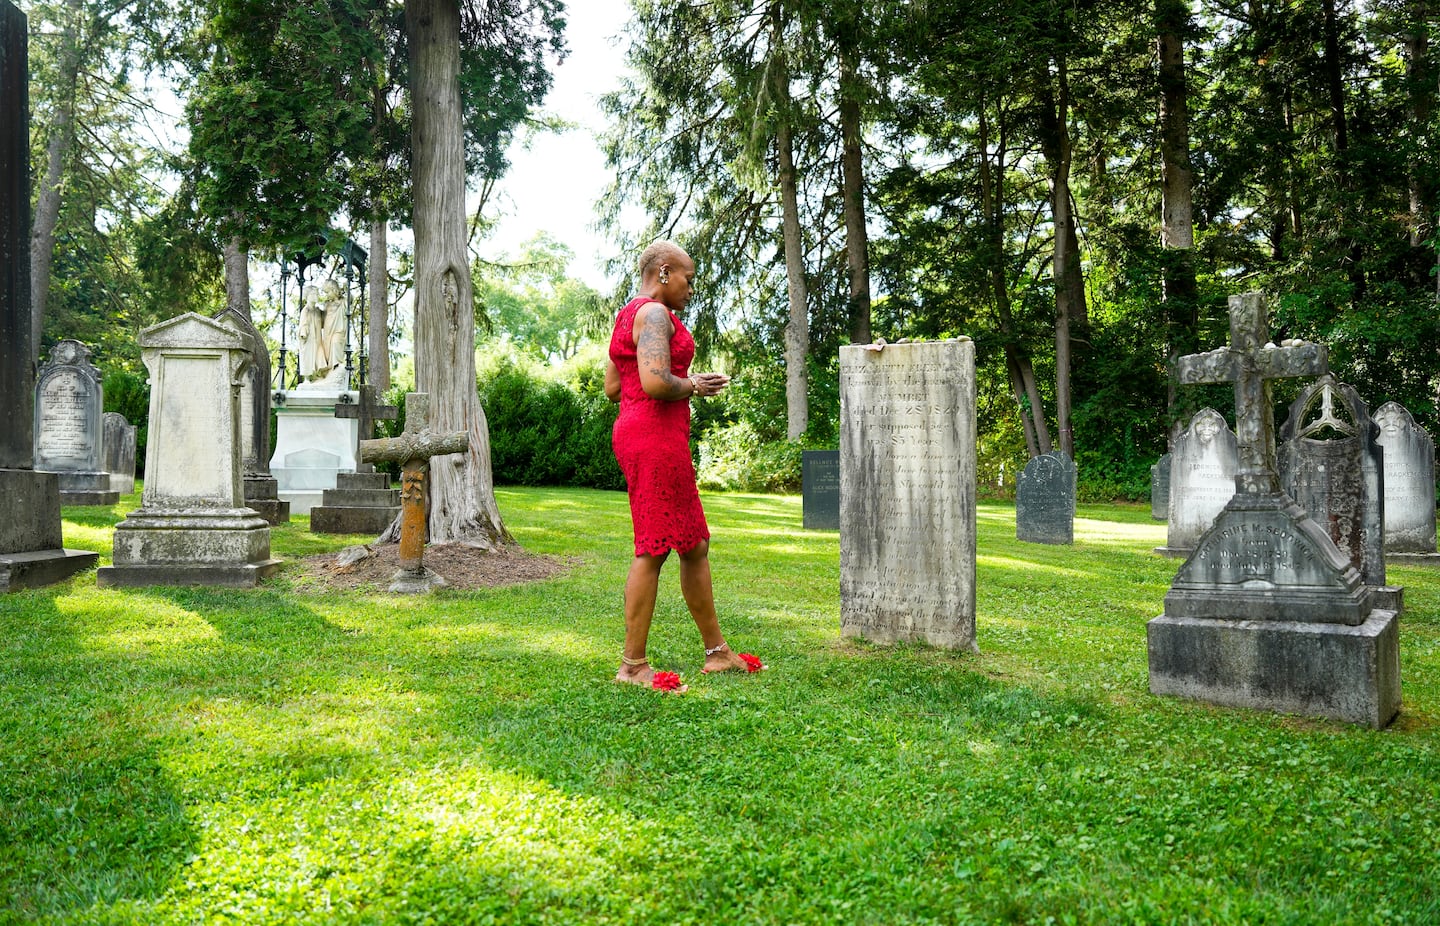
(31,553)
(1330,465)
(1409,458)
(1267,612)
(413,450)
(907,477)
(1045,500)
(1202,480)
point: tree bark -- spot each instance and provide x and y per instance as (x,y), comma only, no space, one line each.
(1065,265)
(237,277)
(57,151)
(1177,226)
(379,325)
(1420,85)
(462,496)
(797,329)
(857,241)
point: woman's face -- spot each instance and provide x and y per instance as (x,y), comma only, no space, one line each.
(676,292)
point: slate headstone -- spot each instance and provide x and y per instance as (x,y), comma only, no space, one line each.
(1267,612)
(1160,488)
(907,474)
(119,451)
(1202,479)
(31,549)
(1330,464)
(820,489)
(1409,458)
(1045,500)
(193,527)
(69,400)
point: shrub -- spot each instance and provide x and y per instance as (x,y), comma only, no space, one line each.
(129,394)
(544,432)
(735,458)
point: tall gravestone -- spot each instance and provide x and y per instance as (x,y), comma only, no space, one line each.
(1202,479)
(1045,500)
(1409,458)
(907,474)
(1160,488)
(1330,465)
(260,487)
(69,438)
(1267,612)
(119,436)
(193,527)
(31,549)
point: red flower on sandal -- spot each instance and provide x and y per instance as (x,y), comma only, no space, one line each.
(665,681)
(752,662)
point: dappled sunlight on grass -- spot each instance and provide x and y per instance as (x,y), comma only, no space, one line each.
(985,559)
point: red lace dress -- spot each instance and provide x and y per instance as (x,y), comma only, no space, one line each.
(652,444)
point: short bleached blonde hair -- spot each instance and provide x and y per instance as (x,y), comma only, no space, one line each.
(658,253)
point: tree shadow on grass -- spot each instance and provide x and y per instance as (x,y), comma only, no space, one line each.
(88,815)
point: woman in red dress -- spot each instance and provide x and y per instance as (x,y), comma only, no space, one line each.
(648,374)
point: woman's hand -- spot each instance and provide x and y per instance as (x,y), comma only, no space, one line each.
(708,384)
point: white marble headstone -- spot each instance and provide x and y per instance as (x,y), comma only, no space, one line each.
(1202,478)
(1409,481)
(907,484)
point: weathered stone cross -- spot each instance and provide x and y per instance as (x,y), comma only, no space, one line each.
(1250,362)
(367,409)
(413,450)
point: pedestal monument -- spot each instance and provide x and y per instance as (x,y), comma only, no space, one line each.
(31,551)
(1267,612)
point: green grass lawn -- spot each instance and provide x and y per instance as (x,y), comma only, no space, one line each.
(293,754)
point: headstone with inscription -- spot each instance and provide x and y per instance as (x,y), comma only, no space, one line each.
(1202,479)
(69,441)
(119,451)
(1045,500)
(260,487)
(1330,465)
(907,474)
(31,549)
(1160,488)
(193,527)
(820,489)
(1409,458)
(1267,612)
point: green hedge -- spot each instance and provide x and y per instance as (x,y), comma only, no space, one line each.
(547,433)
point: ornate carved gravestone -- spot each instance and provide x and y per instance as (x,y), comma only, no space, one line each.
(260,487)
(907,474)
(119,461)
(1160,488)
(193,527)
(820,489)
(1267,612)
(1202,479)
(362,502)
(31,550)
(413,450)
(69,400)
(1409,458)
(1330,465)
(1045,500)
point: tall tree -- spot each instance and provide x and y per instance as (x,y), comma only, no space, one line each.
(1177,227)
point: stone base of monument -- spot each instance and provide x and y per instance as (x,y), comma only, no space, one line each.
(87,489)
(1267,613)
(361,503)
(410,582)
(1319,670)
(261,496)
(1412,559)
(1174,552)
(312,447)
(31,550)
(229,547)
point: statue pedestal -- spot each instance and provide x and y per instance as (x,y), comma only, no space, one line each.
(312,447)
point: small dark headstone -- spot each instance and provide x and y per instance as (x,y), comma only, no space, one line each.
(1045,500)
(1330,465)
(820,489)
(1160,489)
(119,451)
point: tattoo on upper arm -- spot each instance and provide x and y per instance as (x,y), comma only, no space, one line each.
(653,348)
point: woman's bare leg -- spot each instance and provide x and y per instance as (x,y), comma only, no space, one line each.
(699,592)
(641,588)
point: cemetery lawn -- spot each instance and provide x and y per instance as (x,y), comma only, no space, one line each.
(298,753)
